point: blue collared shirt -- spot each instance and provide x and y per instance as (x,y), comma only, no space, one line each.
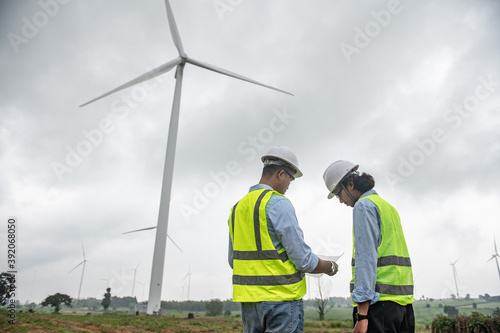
(285,232)
(367,234)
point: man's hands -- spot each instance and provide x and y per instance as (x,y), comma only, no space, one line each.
(334,268)
(326,266)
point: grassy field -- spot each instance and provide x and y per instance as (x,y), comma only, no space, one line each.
(114,323)
(337,320)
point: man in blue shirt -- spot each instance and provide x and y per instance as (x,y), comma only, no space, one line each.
(382,283)
(278,307)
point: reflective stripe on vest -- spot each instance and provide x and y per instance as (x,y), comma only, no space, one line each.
(260,272)
(394,280)
(391,260)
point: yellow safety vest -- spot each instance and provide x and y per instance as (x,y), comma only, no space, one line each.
(260,272)
(394,274)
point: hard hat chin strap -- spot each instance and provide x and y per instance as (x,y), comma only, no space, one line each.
(348,193)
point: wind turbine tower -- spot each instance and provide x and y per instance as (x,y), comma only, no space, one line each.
(156,282)
(455,277)
(133,283)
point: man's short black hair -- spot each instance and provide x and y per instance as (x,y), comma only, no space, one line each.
(270,170)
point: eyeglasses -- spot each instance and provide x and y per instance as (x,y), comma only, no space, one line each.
(338,192)
(292,178)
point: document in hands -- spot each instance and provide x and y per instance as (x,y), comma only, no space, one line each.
(330,258)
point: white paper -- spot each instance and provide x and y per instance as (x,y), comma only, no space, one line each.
(330,258)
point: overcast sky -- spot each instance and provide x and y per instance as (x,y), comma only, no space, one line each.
(408,90)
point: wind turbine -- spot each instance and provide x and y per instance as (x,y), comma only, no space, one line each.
(495,256)
(161,232)
(455,277)
(188,276)
(133,283)
(142,284)
(83,271)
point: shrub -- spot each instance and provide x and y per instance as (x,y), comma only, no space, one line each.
(442,324)
(214,307)
(476,322)
(450,310)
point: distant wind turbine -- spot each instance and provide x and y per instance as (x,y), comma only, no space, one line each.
(142,284)
(83,272)
(455,277)
(495,256)
(156,282)
(188,276)
(135,274)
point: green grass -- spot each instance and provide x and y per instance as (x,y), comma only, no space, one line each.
(338,319)
(69,322)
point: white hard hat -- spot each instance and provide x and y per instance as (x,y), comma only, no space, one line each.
(283,154)
(335,173)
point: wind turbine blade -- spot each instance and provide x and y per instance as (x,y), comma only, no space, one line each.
(83,250)
(174,31)
(76,267)
(231,74)
(177,246)
(144,77)
(495,242)
(129,232)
